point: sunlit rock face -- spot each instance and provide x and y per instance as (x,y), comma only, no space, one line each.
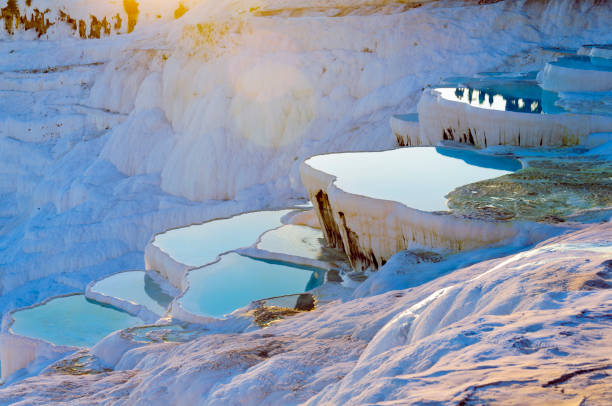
(275,82)
(405,128)
(81,19)
(601,51)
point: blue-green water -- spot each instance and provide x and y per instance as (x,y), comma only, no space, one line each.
(419,177)
(200,244)
(299,241)
(136,287)
(71,320)
(235,281)
(413,117)
(475,158)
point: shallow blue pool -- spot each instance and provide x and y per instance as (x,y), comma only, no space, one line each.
(200,244)
(136,287)
(298,241)
(413,117)
(418,177)
(235,281)
(71,320)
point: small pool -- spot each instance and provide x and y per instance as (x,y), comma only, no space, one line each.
(235,281)
(72,321)
(201,244)
(418,177)
(413,117)
(136,287)
(504,95)
(299,241)
(584,62)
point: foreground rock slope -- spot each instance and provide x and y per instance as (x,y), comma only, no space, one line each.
(530,327)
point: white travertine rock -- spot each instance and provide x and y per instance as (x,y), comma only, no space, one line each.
(577,76)
(445,119)
(405,128)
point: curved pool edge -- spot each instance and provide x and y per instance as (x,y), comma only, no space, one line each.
(258,253)
(135,309)
(348,220)
(156,259)
(18,352)
(238,319)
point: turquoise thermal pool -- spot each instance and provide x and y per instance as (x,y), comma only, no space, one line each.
(201,244)
(504,95)
(235,281)
(136,287)
(418,177)
(298,241)
(71,321)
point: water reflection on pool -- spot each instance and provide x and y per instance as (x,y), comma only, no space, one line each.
(299,241)
(136,287)
(235,281)
(71,320)
(501,95)
(419,177)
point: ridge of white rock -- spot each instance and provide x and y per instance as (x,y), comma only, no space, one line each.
(601,51)
(28,356)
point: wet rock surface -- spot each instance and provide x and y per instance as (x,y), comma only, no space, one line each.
(271,310)
(548,190)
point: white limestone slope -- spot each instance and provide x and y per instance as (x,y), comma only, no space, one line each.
(67,216)
(267,91)
(529,327)
(230,85)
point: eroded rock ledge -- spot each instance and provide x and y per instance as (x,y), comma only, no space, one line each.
(371,230)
